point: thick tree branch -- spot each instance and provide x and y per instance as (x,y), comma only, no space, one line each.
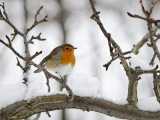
(24,109)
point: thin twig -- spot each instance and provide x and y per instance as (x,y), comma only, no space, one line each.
(144,40)
(36,21)
(4,17)
(96,17)
(153,59)
(140,71)
(20,65)
(38,37)
(13,50)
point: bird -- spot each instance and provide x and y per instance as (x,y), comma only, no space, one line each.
(60,60)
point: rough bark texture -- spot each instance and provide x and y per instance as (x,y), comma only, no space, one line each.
(24,109)
(132,92)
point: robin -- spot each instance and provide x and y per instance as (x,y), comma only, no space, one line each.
(61,60)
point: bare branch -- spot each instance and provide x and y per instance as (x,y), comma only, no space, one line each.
(143,8)
(35,55)
(37,13)
(36,21)
(115,58)
(38,37)
(140,44)
(116,50)
(140,71)
(47,78)
(151,30)
(136,16)
(12,49)
(4,17)
(24,109)
(96,18)
(20,65)
(153,59)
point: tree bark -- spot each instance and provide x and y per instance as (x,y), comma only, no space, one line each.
(24,109)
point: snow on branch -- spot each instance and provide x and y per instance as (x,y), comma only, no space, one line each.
(24,109)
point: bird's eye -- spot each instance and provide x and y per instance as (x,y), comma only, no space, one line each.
(67,48)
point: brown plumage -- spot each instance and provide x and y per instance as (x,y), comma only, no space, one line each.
(61,60)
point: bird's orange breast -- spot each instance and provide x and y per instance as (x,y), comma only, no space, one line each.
(68,58)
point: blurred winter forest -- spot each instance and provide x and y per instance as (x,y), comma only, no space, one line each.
(69,22)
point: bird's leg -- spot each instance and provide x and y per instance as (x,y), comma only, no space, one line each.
(71,96)
(69,90)
(63,82)
(64,85)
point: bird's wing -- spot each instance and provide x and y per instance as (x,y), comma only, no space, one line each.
(45,59)
(54,53)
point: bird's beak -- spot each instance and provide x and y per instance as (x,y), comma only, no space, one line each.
(74,48)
